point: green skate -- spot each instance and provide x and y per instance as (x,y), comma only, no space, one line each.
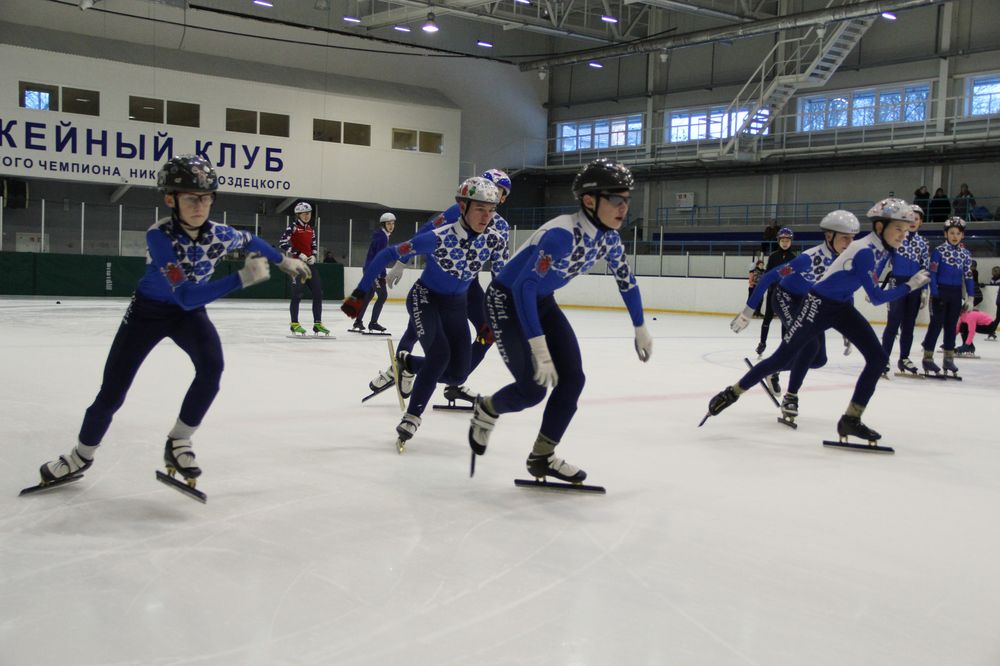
(297,329)
(320,329)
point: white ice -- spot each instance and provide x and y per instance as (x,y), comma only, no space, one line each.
(742,542)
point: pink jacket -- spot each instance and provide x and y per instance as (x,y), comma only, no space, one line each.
(972,319)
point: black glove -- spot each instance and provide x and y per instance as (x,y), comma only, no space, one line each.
(352,304)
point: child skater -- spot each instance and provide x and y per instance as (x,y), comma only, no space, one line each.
(830,305)
(535,340)
(912,256)
(169,302)
(299,240)
(951,265)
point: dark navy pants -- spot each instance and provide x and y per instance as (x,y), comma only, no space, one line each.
(439,321)
(813,352)
(815,317)
(770,309)
(378,289)
(145,324)
(516,352)
(902,318)
(315,285)
(945,310)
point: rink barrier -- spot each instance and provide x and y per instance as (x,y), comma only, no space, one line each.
(34,274)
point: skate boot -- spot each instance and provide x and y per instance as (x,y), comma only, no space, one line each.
(885,371)
(404,378)
(358,327)
(966,351)
(760,350)
(719,402)
(790,407)
(774,384)
(382,381)
(296,328)
(929,366)
(906,365)
(406,429)
(483,421)
(66,467)
(851,426)
(992,336)
(453,393)
(320,329)
(178,456)
(375,327)
(948,364)
(542,466)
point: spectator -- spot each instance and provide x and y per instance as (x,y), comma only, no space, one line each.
(964,203)
(995,281)
(770,236)
(940,207)
(922,197)
(978,296)
(754,276)
(328,258)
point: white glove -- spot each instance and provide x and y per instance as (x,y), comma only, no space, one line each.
(969,304)
(545,370)
(923,298)
(920,279)
(643,343)
(742,320)
(395,274)
(296,268)
(311,259)
(255,270)
(847,347)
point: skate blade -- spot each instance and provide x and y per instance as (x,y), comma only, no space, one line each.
(852,446)
(472,465)
(911,375)
(952,377)
(375,333)
(49,485)
(378,391)
(559,486)
(181,487)
(763,385)
(400,446)
(932,376)
(314,336)
(454,408)
(788,422)
(704,419)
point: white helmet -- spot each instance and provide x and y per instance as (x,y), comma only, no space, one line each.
(303,207)
(917,210)
(954,221)
(386,217)
(841,221)
(478,188)
(891,209)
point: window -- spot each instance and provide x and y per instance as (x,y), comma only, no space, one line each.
(712,123)
(145,109)
(78,100)
(239,120)
(38,96)
(865,107)
(184,114)
(983,95)
(431,142)
(404,139)
(357,134)
(326,130)
(623,131)
(273,124)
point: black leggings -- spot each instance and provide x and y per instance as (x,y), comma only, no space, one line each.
(315,285)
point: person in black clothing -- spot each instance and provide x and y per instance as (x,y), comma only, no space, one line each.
(922,197)
(995,280)
(782,255)
(977,297)
(770,235)
(939,208)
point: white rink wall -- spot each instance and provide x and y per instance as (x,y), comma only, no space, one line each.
(678,294)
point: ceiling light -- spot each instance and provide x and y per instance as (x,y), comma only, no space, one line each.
(484,44)
(609,19)
(523,2)
(664,54)
(430,26)
(352,19)
(542,71)
(401,28)
(595,64)
(263,3)
(889,16)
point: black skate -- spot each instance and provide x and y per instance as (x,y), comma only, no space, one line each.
(543,467)
(886,371)
(406,429)
(179,457)
(763,385)
(65,469)
(480,428)
(375,328)
(404,378)
(851,426)
(719,402)
(992,337)
(773,385)
(966,351)
(906,368)
(789,410)
(931,369)
(760,350)
(382,382)
(358,327)
(948,365)
(454,393)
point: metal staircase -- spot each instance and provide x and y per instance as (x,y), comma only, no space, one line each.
(792,64)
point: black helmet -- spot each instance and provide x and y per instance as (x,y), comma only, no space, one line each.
(602,175)
(187,173)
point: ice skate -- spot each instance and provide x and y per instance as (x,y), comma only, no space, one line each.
(375,328)
(885,371)
(63,470)
(719,402)
(931,368)
(966,351)
(851,426)
(906,365)
(178,456)
(383,381)
(358,327)
(296,328)
(480,427)
(404,378)
(543,466)
(320,329)
(773,385)
(948,366)
(789,410)
(760,350)
(454,393)
(992,337)
(406,429)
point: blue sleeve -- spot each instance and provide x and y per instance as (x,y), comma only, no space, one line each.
(970,284)
(935,263)
(774,276)
(185,293)
(423,243)
(260,246)
(618,264)
(555,244)
(864,271)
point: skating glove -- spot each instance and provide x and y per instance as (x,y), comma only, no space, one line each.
(923,298)
(545,369)
(395,274)
(296,268)
(919,279)
(742,320)
(969,304)
(255,270)
(311,259)
(643,343)
(352,304)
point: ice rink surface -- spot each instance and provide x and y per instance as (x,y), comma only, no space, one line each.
(739,543)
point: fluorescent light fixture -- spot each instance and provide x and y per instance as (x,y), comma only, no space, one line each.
(263,3)
(595,64)
(889,16)
(484,44)
(609,19)
(523,2)
(401,28)
(352,19)
(431,26)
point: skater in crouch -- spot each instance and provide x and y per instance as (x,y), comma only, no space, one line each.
(829,304)
(299,241)
(533,336)
(169,302)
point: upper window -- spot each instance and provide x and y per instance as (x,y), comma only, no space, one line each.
(357,134)
(45,97)
(601,133)
(865,107)
(38,96)
(425,142)
(78,100)
(240,120)
(711,123)
(326,130)
(983,95)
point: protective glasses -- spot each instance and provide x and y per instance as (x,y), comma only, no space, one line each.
(617,200)
(197,199)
